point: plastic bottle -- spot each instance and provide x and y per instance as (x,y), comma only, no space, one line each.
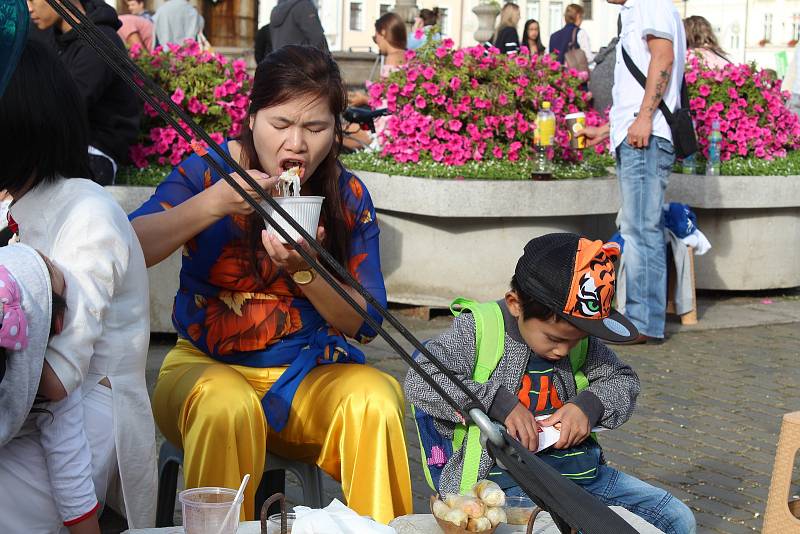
(714,145)
(689,165)
(544,136)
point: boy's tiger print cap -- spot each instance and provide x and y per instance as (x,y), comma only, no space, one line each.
(575,278)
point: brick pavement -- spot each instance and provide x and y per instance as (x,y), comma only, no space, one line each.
(705,427)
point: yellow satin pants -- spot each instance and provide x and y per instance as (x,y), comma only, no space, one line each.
(346,418)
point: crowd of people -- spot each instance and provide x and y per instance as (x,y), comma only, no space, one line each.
(266,355)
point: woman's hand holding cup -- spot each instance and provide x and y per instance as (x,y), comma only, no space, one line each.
(285,257)
(227,201)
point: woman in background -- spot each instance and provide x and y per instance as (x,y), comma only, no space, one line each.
(702,43)
(506,38)
(427,19)
(532,37)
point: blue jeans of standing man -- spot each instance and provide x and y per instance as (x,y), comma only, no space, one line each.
(643,174)
(655,505)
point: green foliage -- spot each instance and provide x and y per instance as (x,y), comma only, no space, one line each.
(148,176)
(594,165)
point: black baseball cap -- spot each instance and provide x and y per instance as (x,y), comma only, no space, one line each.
(575,277)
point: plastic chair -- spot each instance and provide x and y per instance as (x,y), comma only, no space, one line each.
(170,459)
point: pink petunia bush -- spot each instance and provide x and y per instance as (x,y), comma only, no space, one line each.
(212,90)
(454,106)
(750,107)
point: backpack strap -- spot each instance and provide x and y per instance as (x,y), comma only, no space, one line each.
(577,359)
(489,347)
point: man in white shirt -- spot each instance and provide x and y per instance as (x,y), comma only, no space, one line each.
(653,36)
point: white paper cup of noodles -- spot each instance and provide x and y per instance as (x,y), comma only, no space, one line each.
(304,210)
(205,510)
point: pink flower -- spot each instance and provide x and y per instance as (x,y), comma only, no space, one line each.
(195,106)
(502,99)
(455,83)
(418,33)
(419,102)
(177,96)
(441,52)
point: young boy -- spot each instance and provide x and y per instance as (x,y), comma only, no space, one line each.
(561,292)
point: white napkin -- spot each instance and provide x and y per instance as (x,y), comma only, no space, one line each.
(336,518)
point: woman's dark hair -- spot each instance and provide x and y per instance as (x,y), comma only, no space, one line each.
(283,75)
(531,308)
(45,132)
(395,29)
(430,17)
(539,48)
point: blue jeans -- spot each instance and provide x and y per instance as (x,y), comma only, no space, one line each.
(655,505)
(643,175)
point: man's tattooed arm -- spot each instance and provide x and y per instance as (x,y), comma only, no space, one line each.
(661,87)
(659,73)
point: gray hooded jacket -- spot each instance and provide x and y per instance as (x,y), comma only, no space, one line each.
(609,401)
(296,22)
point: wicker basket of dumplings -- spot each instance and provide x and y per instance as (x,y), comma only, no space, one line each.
(480,511)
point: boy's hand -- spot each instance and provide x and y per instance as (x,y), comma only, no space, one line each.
(522,425)
(575,425)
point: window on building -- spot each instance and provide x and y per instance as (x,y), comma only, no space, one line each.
(356,16)
(444,21)
(384,9)
(532,9)
(587,9)
(768,27)
(556,16)
(796,27)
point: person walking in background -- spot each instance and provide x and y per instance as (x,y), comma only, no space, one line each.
(506,37)
(112,106)
(177,20)
(702,43)
(532,37)
(136,7)
(427,19)
(136,30)
(390,36)
(296,22)
(654,38)
(571,36)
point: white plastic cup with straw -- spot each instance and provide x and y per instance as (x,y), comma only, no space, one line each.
(234,505)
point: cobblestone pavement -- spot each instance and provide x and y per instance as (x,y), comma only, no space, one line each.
(705,427)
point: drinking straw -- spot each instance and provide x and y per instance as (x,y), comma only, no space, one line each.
(238,498)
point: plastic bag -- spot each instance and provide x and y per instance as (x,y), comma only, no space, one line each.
(336,518)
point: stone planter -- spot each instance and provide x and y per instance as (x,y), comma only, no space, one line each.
(444,238)
(164,276)
(486,13)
